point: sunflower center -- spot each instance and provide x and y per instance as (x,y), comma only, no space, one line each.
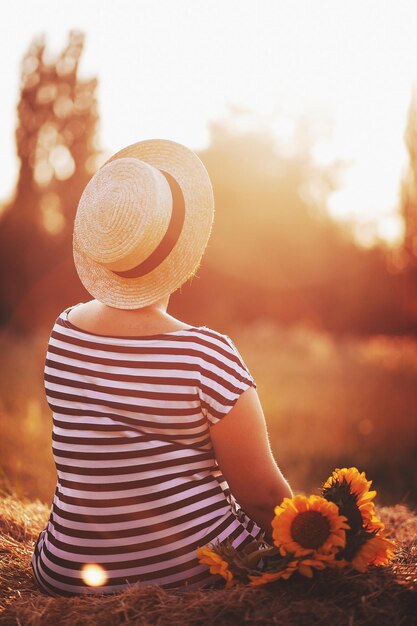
(310,529)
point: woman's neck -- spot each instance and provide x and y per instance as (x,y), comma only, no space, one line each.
(96,317)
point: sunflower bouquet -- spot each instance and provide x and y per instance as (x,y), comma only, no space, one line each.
(338,529)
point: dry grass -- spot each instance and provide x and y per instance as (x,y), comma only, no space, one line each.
(383,597)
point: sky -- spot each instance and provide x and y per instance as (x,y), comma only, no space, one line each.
(168,67)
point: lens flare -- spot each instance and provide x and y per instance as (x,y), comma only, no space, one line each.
(94,575)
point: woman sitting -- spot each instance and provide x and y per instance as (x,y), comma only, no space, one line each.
(159,437)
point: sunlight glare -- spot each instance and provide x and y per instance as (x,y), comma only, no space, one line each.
(94,575)
(365,233)
(62,162)
(298,57)
(391,229)
(324,154)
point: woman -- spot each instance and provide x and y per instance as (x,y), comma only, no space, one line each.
(159,437)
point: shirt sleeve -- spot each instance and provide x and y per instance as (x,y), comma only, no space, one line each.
(224,377)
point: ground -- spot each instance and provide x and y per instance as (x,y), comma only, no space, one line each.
(384,596)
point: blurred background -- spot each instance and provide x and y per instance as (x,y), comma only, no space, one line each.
(305,115)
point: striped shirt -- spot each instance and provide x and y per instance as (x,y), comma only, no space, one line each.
(138,486)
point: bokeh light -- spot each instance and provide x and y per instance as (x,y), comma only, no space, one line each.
(94,575)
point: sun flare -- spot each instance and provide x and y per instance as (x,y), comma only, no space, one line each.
(94,575)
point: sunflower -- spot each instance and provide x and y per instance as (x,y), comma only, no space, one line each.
(350,490)
(372,521)
(216,564)
(357,481)
(268,577)
(378,550)
(310,527)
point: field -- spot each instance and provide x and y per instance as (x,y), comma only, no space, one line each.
(383,597)
(328,402)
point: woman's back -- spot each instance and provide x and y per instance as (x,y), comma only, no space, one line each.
(139,488)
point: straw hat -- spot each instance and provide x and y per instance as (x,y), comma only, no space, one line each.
(143,223)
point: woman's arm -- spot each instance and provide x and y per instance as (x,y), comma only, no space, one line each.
(243,453)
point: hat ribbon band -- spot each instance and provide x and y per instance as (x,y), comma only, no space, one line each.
(168,241)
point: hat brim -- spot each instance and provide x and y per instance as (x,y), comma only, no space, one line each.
(182,262)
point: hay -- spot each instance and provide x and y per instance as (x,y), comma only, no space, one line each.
(383,597)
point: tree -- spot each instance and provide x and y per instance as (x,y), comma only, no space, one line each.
(276,253)
(406,258)
(56,143)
